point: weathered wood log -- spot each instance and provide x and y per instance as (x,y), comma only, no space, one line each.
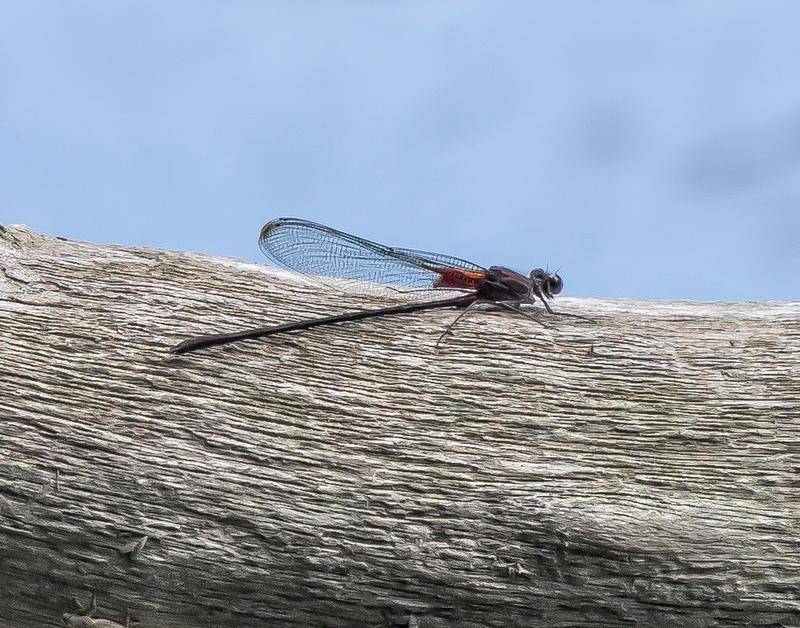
(641,468)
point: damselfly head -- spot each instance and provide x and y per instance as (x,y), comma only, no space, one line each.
(549,284)
(554,284)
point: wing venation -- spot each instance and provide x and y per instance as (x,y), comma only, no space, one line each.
(319,251)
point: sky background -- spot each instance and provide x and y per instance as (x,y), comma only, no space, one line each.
(649,149)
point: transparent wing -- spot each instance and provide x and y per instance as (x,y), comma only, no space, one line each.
(319,251)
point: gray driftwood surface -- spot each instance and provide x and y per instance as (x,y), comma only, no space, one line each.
(639,469)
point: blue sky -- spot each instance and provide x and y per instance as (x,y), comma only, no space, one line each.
(649,149)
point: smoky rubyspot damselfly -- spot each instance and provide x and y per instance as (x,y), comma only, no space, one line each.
(319,251)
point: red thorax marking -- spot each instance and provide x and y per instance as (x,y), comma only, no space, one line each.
(458,278)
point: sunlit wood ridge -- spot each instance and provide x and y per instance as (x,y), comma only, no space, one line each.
(641,468)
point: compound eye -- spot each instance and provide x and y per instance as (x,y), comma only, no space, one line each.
(554,284)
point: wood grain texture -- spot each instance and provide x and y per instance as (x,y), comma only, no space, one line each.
(640,469)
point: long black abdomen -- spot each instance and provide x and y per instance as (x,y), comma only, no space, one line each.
(203,342)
